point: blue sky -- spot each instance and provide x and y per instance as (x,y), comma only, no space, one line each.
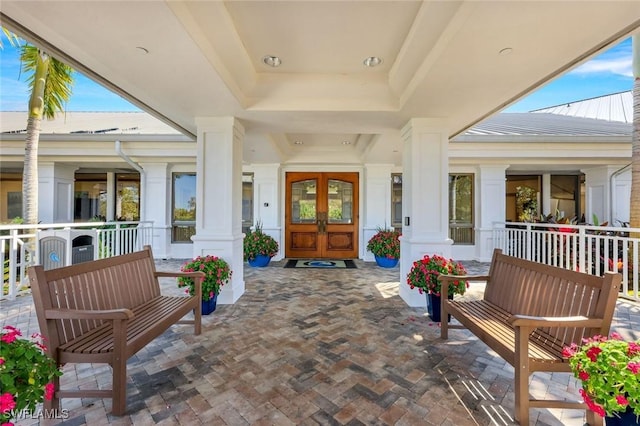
(607,73)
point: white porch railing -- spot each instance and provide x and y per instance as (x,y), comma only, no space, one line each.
(591,249)
(19,247)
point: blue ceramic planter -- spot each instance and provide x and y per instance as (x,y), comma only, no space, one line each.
(209,306)
(386,262)
(434,308)
(259,261)
(628,418)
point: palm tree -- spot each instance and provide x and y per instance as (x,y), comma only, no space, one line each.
(50,82)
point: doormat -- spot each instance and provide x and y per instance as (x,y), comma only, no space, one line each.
(323,264)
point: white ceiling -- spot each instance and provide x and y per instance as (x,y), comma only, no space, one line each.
(440,59)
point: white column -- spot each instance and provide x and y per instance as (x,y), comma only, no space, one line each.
(424,198)
(55,192)
(597,182)
(111,197)
(545,205)
(266,206)
(155,195)
(491,207)
(219,198)
(377,203)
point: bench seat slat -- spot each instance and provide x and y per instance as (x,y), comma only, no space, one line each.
(491,322)
(100,339)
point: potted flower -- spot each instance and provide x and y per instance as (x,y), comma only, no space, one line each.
(609,369)
(26,373)
(385,246)
(424,275)
(259,247)
(217,273)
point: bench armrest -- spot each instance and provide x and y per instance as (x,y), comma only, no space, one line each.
(81,314)
(178,274)
(464,277)
(198,278)
(572,321)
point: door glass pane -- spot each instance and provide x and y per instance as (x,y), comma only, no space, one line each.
(340,196)
(247,201)
(184,207)
(461,208)
(304,201)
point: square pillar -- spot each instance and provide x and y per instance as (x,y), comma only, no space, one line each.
(55,192)
(377,199)
(219,198)
(489,197)
(157,202)
(425,186)
(266,208)
(607,194)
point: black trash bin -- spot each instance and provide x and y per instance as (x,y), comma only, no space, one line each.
(82,249)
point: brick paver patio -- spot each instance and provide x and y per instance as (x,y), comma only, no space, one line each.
(313,346)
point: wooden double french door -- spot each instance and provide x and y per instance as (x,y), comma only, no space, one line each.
(321,215)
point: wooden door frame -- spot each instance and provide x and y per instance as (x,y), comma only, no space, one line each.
(354,232)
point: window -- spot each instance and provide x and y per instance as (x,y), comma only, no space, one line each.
(127,196)
(247,201)
(566,196)
(90,196)
(461,208)
(91,193)
(396,200)
(183,216)
(10,196)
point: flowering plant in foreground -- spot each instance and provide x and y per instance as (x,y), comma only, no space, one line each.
(217,273)
(609,369)
(424,275)
(385,243)
(26,373)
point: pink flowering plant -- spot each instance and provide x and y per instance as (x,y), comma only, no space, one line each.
(609,369)
(425,275)
(26,373)
(217,273)
(385,243)
(258,243)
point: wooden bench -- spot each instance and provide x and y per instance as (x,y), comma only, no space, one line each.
(529,313)
(105,311)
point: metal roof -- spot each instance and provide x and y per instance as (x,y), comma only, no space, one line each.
(15,122)
(614,107)
(547,124)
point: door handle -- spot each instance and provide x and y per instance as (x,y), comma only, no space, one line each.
(322,223)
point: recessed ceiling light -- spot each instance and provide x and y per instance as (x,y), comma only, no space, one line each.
(272,61)
(298,143)
(346,143)
(505,51)
(372,61)
(142,49)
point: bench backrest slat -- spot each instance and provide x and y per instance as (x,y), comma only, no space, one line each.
(528,288)
(110,283)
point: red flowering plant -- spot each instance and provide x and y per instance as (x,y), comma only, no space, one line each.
(425,275)
(385,243)
(26,373)
(609,369)
(217,273)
